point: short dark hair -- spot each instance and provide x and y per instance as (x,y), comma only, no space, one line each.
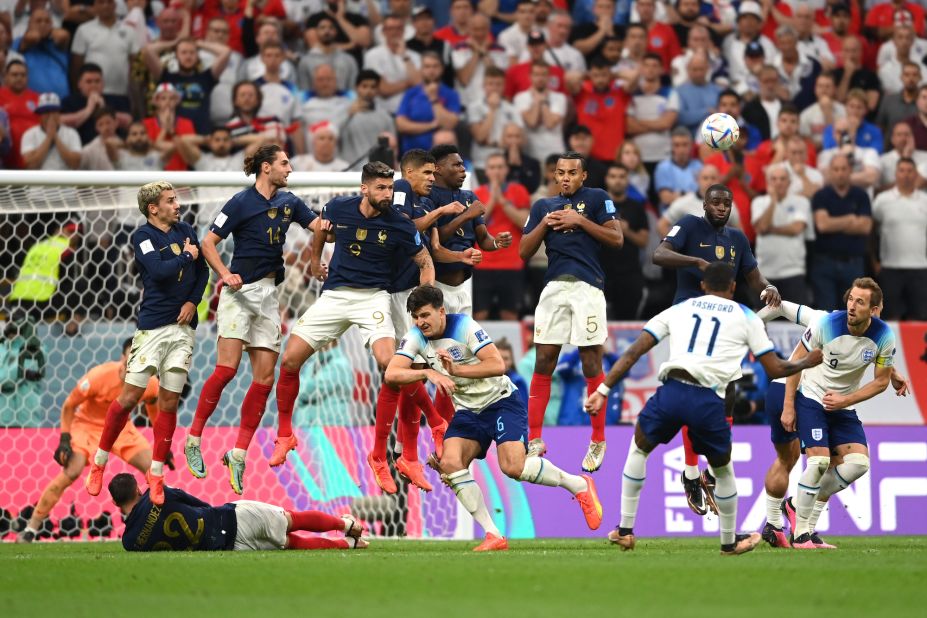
(634,25)
(504,344)
(905,160)
(103,111)
(600,63)
(493,71)
(433,54)
(789,108)
(616,165)
(127,345)
(654,56)
(325,17)
(123,488)
(443,151)
(552,159)
(425,295)
(718,277)
(571,155)
(220,128)
(866,283)
(265,154)
(89,67)
(367,74)
(415,159)
(376,169)
(718,187)
(730,93)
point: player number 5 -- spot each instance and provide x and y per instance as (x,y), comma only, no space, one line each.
(591,324)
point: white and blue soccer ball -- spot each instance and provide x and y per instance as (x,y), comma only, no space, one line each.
(720,131)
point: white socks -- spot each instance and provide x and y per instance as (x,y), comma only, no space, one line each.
(101,457)
(157,468)
(808,487)
(816,511)
(726,497)
(469,494)
(543,472)
(774,511)
(632,482)
(842,476)
(692,472)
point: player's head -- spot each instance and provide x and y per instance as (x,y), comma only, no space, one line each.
(426,304)
(124,491)
(449,166)
(377,185)
(418,167)
(718,279)
(570,173)
(157,201)
(270,163)
(862,300)
(718,203)
(508,355)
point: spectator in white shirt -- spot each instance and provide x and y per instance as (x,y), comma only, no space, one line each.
(902,147)
(279,97)
(890,70)
(542,111)
(865,170)
(823,112)
(781,221)
(107,43)
(100,153)
(253,68)
(324,102)
(488,117)
(559,52)
(809,43)
(138,153)
(515,38)
(804,179)
(324,157)
(749,26)
(50,145)
(473,56)
(397,66)
(652,113)
(900,218)
(219,156)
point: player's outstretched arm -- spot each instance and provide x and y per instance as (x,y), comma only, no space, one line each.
(835,401)
(399,372)
(491,364)
(426,267)
(767,291)
(211,253)
(431,217)
(777,368)
(643,344)
(666,256)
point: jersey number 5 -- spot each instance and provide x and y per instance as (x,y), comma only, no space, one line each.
(714,334)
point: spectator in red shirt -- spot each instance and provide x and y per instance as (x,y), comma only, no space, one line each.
(19,103)
(165,125)
(776,150)
(230,11)
(737,173)
(498,281)
(456,31)
(661,38)
(518,77)
(884,17)
(601,105)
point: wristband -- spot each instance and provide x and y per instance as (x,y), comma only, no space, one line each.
(494,245)
(603,390)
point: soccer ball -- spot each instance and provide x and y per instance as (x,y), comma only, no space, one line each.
(720,131)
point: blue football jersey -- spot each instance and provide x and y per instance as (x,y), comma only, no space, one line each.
(465,236)
(183,522)
(408,203)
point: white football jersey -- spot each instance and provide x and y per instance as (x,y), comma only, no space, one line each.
(805,317)
(462,338)
(709,337)
(846,356)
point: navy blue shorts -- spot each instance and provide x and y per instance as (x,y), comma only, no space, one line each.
(818,427)
(775,398)
(676,404)
(504,421)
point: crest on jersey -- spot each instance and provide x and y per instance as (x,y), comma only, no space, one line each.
(459,231)
(175,248)
(361,234)
(868,355)
(272,213)
(817,434)
(381,237)
(732,253)
(568,206)
(456,353)
(581,207)
(719,252)
(287,213)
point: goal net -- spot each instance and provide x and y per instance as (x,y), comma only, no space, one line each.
(47,347)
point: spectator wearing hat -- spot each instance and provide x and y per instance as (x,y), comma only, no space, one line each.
(426,108)
(109,44)
(697,95)
(890,71)
(78,109)
(542,111)
(884,17)
(853,75)
(515,38)
(166,124)
(602,105)
(324,101)
(748,30)
(50,145)
(748,83)
(518,77)
(472,56)
(45,50)
(20,103)
(326,52)
(677,175)
(324,157)
(900,106)
(488,117)
(364,123)
(824,112)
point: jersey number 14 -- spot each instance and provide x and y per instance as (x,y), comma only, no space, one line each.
(714,334)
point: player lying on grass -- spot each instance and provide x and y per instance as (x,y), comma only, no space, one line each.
(465,364)
(708,338)
(786,443)
(82,417)
(186,523)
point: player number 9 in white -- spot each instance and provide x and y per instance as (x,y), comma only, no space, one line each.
(379,317)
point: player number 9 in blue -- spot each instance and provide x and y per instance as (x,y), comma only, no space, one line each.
(714,334)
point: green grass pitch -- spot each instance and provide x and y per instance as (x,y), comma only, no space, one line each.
(679,578)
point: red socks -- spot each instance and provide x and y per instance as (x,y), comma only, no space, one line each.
(163,434)
(598,420)
(539,396)
(409,422)
(691,455)
(252,409)
(294,541)
(444,405)
(209,397)
(287,390)
(424,403)
(315,521)
(116,419)
(387,401)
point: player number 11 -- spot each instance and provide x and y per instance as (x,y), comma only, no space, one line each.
(714,334)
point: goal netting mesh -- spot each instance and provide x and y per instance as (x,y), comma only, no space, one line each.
(44,354)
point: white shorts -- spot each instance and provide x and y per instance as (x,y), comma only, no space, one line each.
(252,314)
(570,312)
(260,526)
(337,310)
(457,298)
(166,352)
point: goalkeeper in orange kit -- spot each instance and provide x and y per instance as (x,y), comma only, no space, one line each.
(82,418)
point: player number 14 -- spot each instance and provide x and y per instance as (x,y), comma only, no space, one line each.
(714,334)
(273,236)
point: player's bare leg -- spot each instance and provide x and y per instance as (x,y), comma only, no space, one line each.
(539,395)
(777,486)
(455,468)
(164,427)
(51,495)
(228,359)
(116,418)
(591,359)
(514,463)
(387,403)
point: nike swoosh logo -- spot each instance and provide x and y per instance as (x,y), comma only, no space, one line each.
(701,244)
(341,227)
